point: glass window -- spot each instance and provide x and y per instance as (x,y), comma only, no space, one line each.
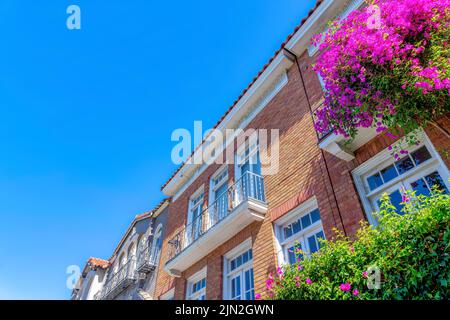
(421,155)
(418,170)
(197,289)
(374,181)
(389,173)
(240,281)
(404,165)
(301,234)
(435,179)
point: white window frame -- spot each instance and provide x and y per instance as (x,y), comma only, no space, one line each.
(199,206)
(301,237)
(157,237)
(213,187)
(200,275)
(251,144)
(385,158)
(228,274)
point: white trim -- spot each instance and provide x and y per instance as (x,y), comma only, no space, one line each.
(305,208)
(199,275)
(240,116)
(169,295)
(230,255)
(354,4)
(436,163)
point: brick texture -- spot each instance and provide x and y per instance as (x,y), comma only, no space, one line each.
(305,171)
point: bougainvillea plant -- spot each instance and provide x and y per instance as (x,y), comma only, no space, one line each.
(406,256)
(387,66)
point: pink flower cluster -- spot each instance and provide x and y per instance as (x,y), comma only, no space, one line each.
(356,48)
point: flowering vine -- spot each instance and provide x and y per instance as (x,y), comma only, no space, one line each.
(391,72)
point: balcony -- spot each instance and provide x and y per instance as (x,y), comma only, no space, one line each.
(119,281)
(243,203)
(147,261)
(338,146)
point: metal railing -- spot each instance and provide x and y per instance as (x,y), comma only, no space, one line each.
(249,186)
(147,260)
(326,133)
(120,280)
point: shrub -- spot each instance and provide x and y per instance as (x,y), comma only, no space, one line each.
(409,248)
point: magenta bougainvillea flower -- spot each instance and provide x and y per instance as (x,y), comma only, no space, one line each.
(308,281)
(258,296)
(345,287)
(385,66)
(280,271)
(356,292)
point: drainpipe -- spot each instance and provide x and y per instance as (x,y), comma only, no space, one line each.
(293,57)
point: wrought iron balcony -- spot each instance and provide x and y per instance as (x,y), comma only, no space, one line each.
(242,203)
(119,281)
(147,260)
(321,135)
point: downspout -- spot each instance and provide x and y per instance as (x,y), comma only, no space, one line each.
(294,56)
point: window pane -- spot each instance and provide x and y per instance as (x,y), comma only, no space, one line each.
(287,232)
(296,227)
(320,235)
(312,244)
(315,215)
(250,254)
(420,187)
(404,165)
(238,261)
(396,199)
(389,173)
(245,257)
(291,255)
(232,264)
(306,221)
(435,179)
(374,181)
(421,155)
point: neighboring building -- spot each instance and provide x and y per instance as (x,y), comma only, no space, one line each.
(91,279)
(130,273)
(228,226)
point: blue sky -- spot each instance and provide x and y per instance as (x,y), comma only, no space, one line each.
(86,116)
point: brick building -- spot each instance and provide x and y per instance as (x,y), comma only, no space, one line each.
(228,226)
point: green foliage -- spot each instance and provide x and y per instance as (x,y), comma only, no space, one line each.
(410,249)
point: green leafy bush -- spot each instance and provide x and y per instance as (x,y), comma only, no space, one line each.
(410,249)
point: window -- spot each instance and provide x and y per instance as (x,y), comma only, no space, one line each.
(196,286)
(248,158)
(419,170)
(239,281)
(194,225)
(219,196)
(248,171)
(157,242)
(298,230)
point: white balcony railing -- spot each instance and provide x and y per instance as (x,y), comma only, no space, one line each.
(242,203)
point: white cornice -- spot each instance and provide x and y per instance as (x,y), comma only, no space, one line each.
(297,44)
(251,103)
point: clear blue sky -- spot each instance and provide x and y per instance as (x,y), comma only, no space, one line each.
(86,116)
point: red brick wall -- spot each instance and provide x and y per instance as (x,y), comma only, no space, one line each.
(302,174)
(305,171)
